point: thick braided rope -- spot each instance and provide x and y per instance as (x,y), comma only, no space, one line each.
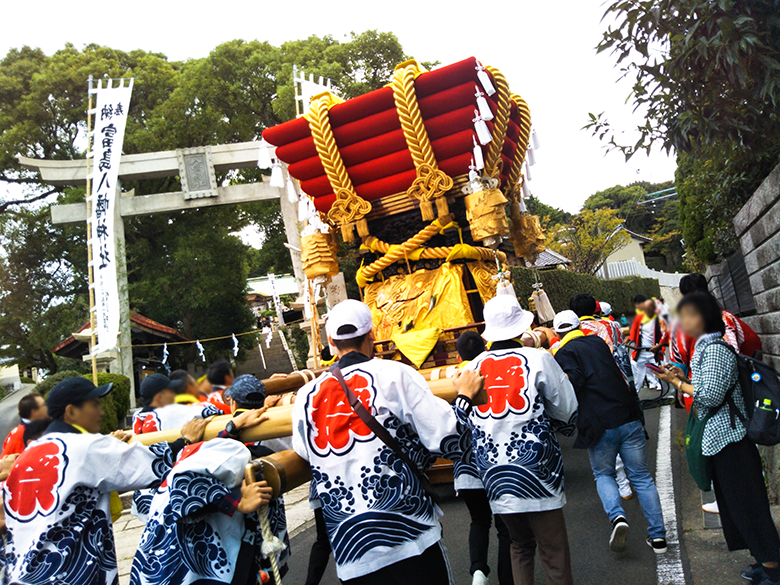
(269,536)
(522,142)
(352,207)
(410,117)
(435,253)
(325,143)
(501,121)
(403,250)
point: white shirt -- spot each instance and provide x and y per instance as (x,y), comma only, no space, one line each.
(375,510)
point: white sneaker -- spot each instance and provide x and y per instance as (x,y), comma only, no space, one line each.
(479,578)
(711,508)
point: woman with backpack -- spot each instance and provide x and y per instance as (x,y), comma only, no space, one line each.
(732,459)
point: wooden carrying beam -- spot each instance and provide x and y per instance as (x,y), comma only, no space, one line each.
(279,423)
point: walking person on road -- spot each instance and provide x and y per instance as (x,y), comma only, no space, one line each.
(735,464)
(470,489)
(382,523)
(609,423)
(515,448)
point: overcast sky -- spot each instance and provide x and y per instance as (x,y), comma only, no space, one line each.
(545,49)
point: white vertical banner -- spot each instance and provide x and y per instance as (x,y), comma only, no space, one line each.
(109,132)
(277,300)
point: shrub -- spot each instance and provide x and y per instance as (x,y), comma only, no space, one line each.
(561,285)
(26,380)
(115,406)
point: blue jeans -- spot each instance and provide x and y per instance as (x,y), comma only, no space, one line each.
(628,441)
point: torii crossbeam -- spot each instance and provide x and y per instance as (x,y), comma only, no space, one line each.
(196,168)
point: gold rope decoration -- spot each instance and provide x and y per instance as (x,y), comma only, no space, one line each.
(515,172)
(501,121)
(412,248)
(349,209)
(434,253)
(431,182)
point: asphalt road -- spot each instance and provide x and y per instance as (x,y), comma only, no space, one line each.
(588,527)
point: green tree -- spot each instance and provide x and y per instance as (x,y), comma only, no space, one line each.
(186,269)
(707,80)
(548,215)
(588,238)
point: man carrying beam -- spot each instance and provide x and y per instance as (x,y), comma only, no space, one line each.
(369,434)
(59,498)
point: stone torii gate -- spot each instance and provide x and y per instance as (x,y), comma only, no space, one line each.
(196,168)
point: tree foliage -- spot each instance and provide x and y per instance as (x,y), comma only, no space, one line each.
(589,238)
(185,269)
(704,71)
(707,82)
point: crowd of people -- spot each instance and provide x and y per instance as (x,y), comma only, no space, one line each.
(369,429)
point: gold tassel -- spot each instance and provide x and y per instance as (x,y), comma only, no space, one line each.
(362,228)
(426,207)
(441,206)
(347,231)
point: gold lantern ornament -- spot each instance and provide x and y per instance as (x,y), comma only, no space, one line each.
(318,255)
(485,210)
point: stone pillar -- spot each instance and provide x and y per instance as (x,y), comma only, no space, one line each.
(123,364)
(291,228)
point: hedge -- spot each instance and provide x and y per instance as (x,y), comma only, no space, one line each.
(561,285)
(115,405)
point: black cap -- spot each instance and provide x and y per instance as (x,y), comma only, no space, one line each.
(247,391)
(154,384)
(73,391)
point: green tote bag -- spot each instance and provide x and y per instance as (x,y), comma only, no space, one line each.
(698,464)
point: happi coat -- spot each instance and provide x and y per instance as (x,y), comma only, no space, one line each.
(194,532)
(515,451)
(57,504)
(376,511)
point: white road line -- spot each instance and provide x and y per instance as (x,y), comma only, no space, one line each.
(669,568)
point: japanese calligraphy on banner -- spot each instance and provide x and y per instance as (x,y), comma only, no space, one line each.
(109,132)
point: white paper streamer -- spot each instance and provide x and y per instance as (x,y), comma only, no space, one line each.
(277,177)
(526,192)
(479,161)
(484,107)
(165,353)
(484,79)
(263,156)
(292,194)
(535,140)
(235,344)
(530,157)
(528,176)
(483,133)
(201,351)
(303,209)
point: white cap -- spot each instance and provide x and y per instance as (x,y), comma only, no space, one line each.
(606,308)
(349,312)
(566,321)
(505,318)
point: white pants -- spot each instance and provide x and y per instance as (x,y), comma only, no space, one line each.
(641,370)
(624,486)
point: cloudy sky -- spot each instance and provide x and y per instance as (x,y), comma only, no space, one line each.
(545,49)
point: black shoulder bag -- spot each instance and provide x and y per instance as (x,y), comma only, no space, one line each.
(381,432)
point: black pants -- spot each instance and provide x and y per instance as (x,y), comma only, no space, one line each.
(738,478)
(428,568)
(479,536)
(320,551)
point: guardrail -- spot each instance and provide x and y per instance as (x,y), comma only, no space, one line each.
(634,268)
